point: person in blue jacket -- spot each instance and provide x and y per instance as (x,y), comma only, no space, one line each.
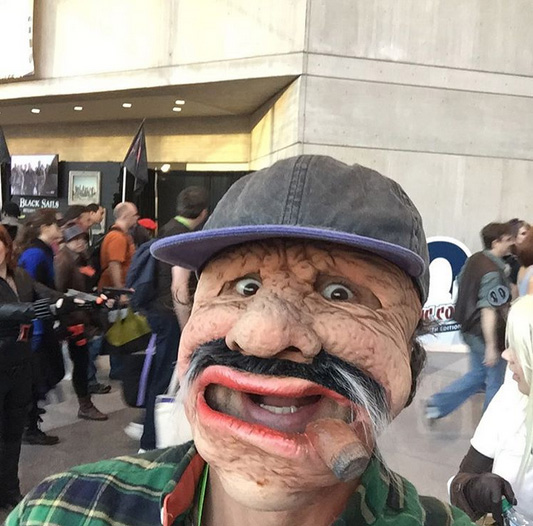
(41,234)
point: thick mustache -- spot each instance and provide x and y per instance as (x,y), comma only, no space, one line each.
(326,370)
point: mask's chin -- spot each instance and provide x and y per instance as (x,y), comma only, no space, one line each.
(251,429)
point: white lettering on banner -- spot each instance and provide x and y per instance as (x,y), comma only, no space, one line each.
(26,202)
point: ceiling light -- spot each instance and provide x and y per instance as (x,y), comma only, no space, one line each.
(78,108)
(179,102)
(35,110)
(176,108)
(126,104)
(165,167)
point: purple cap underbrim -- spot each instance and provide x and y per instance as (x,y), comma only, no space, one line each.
(194,249)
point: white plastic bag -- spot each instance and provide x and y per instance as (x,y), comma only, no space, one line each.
(171,425)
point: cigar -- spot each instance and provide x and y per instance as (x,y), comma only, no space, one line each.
(339,447)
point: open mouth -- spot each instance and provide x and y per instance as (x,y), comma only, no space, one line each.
(283,405)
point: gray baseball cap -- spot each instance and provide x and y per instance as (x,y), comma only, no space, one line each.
(311,197)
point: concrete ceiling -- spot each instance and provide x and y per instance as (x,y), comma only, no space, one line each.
(238,97)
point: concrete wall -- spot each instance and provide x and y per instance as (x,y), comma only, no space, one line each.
(276,128)
(82,47)
(435,94)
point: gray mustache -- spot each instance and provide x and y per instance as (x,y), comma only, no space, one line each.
(326,370)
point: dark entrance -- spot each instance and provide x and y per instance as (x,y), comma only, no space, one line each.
(170,184)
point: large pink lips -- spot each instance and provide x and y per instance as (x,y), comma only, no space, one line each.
(272,412)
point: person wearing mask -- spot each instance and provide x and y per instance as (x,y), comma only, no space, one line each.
(481,308)
(41,232)
(116,253)
(191,211)
(17,291)
(72,272)
(499,462)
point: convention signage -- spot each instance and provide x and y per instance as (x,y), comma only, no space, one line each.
(447,257)
(30,204)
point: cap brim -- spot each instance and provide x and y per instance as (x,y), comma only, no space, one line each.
(193,250)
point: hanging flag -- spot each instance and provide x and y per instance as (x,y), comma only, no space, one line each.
(5,156)
(136,161)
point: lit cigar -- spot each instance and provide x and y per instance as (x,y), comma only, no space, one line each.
(339,447)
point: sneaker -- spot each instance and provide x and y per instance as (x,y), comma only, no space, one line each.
(134,430)
(99,388)
(36,437)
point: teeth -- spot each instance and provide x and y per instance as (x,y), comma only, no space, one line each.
(279,410)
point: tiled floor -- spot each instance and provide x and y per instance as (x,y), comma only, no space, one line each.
(427,457)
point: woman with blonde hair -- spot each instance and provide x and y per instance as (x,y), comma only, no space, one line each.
(499,463)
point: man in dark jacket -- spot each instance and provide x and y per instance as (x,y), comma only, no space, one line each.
(483,299)
(191,213)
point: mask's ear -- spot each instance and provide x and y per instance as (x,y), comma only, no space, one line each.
(418,361)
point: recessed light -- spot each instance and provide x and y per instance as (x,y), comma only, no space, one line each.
(78,108)
(179,102)
(165,167)
(35,110)
(126,104)
(176,108)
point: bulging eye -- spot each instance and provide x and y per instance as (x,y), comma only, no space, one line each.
(247,286)
(337,292)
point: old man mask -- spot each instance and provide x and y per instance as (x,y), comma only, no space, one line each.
(301,345)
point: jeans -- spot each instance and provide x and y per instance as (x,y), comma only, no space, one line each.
(478,377)
(168,334)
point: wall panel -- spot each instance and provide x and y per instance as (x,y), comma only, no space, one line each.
(466,34)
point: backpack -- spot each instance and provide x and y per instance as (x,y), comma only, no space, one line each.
(94,256)
(142,277)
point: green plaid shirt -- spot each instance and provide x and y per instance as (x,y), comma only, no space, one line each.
(160,487)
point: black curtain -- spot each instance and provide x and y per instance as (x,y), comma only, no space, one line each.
(170,184)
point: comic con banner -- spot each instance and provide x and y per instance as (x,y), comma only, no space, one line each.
(447,257)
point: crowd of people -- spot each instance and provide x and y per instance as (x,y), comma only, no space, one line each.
(276,282)
(48,255)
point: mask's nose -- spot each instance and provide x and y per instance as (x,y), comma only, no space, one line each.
(272,327)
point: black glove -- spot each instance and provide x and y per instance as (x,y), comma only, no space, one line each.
(42,309)
(65,305)
(484,493)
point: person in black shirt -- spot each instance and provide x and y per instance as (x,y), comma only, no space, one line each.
(17,291)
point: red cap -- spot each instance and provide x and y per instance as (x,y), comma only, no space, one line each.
(147,223)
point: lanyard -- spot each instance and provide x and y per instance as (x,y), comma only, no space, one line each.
(201,498)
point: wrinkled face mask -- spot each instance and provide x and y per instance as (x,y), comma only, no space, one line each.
(295,358)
